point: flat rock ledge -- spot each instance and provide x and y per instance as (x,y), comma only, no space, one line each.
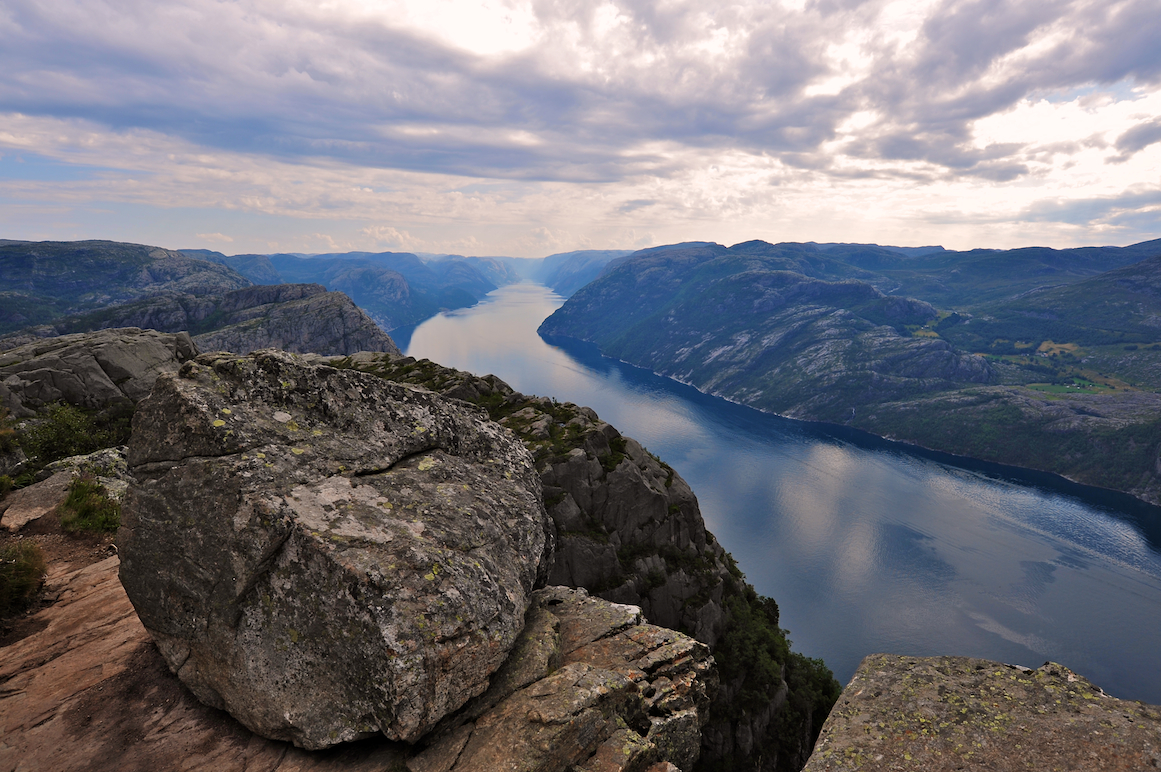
(588,688)
(323,554)
(958,713)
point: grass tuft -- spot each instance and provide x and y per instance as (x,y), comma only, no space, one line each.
(89,508)
(22,568)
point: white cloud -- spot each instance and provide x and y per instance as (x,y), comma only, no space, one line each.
(484,121)
(220,238)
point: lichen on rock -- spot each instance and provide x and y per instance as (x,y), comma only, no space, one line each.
(955,713)
(323,554)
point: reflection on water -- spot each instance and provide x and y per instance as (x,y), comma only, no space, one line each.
(867,546)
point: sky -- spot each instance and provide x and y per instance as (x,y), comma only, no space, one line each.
(504,127)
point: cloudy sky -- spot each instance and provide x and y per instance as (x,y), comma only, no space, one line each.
(526,128)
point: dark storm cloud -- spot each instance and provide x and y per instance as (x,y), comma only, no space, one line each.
(274,81)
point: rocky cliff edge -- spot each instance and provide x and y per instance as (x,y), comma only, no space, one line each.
(940,714)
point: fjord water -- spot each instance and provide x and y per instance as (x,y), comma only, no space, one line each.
(868,546)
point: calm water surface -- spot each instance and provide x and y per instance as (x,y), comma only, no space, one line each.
(866,545)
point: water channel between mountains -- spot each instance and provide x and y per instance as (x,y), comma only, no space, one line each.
(868,546)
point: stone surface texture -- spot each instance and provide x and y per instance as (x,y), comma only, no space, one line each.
(88,692)
(90,370)
(23,506)
(590,687)
(958,713)
(323,554)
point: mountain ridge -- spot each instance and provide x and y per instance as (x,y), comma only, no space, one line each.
(735,323)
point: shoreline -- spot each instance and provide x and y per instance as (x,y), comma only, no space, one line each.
(951,457)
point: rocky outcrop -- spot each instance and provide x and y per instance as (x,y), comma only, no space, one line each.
(588,687)
(89,370)
(23,506)
(629,530)
(316,322)
(941,714)
(323,554)
(628,527)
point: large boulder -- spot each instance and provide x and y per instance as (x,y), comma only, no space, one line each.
(324,554)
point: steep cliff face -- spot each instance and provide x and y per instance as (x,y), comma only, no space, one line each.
(629,530)
(293,317)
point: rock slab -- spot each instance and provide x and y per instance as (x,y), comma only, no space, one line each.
(592,687)
(956,713)
(88,692)
(91,370)
(323,554)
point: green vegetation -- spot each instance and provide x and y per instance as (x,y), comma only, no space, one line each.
(1076,386)
(752,650)
(986,424)
(88,507)
(22,568)
(65,430)
(754,653)
(8,439)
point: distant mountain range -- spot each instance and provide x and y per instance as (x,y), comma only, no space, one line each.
(396,288)
(1049,359)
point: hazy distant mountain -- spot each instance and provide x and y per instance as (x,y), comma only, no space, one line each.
(53,288)
(498,270)
(961,280)
(256,268)
(395,288)
(567,272)
(303,318)
(905,251)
